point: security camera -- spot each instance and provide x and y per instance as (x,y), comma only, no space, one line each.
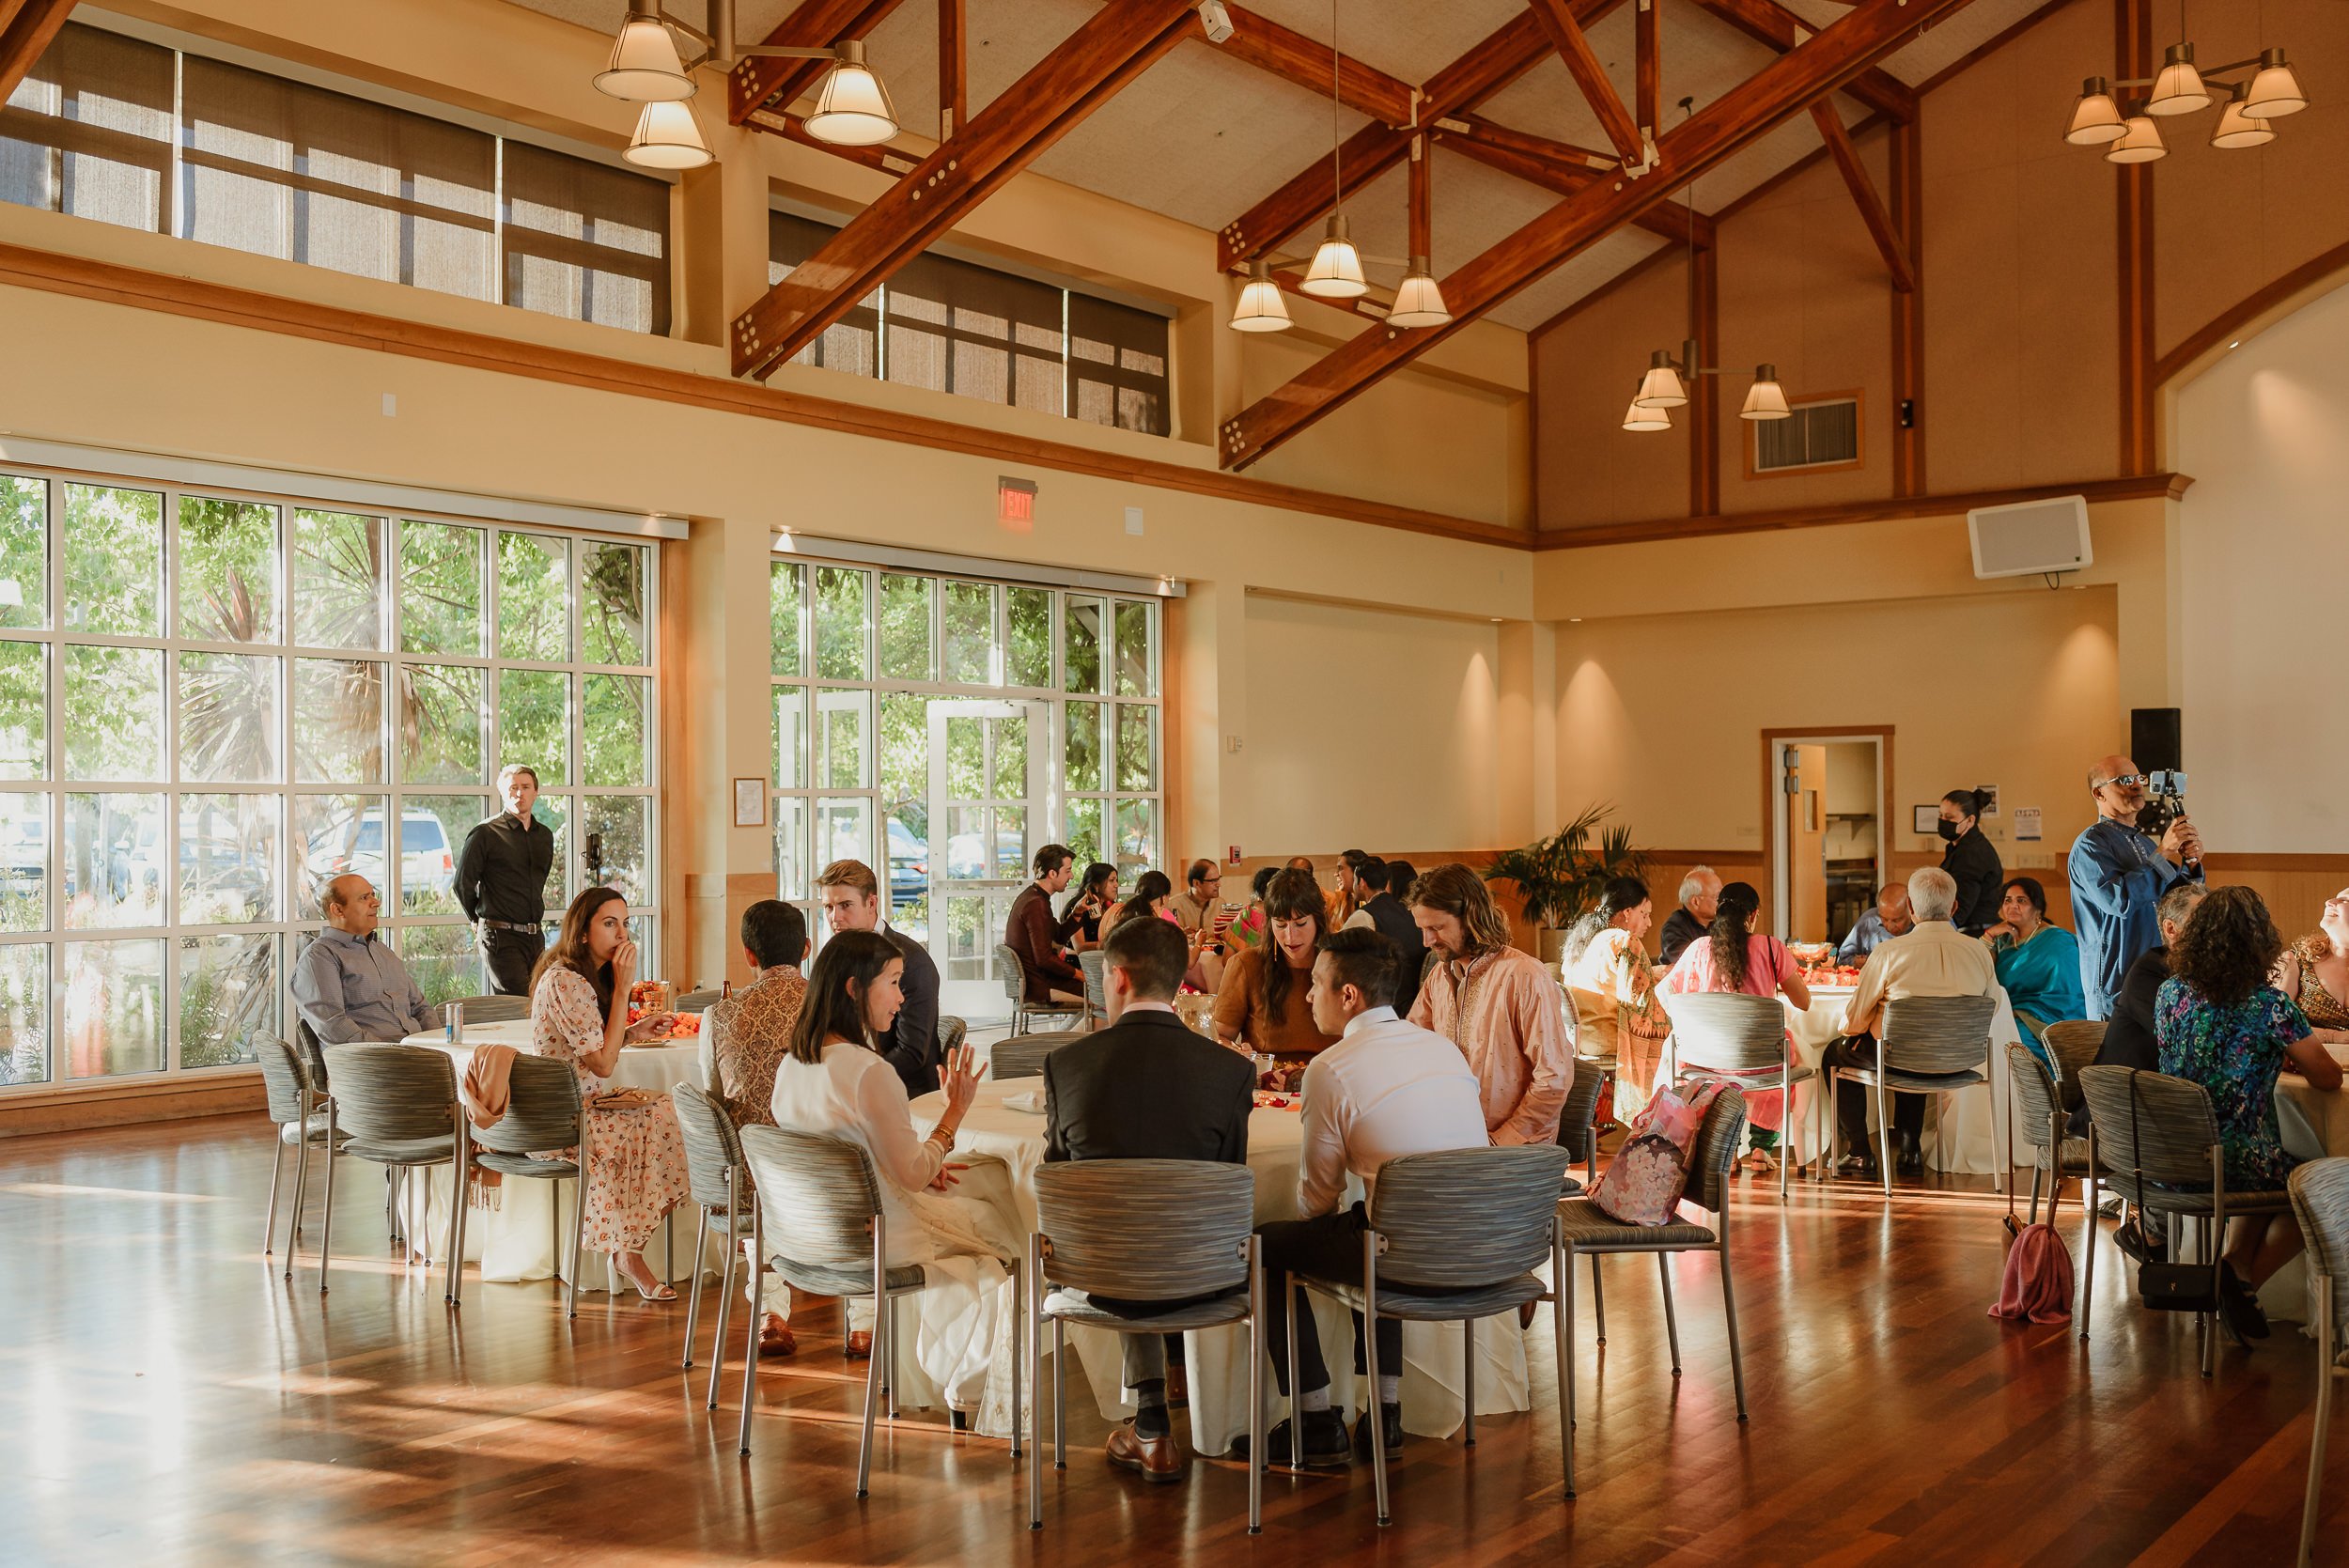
(1216,20)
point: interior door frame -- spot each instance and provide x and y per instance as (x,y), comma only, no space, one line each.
(1773,896)
(1041,805)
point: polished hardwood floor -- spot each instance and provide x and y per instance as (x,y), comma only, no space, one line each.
(165,1397)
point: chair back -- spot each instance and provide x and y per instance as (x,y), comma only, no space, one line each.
(817,1197)
(713,1151)
(287,1079)
(393,1094)
(2319,1198)
(1458,1219)
(2073,1043)
(492,1008)
(1011,974)
(1022,1055)
(1147,1230)
(313,1052)
(698,1001)
(952,1032)
(1095,967)
(2034,1095)
(1715,1149)
(2169,1136)
(1729,1031)
(1937,1035)
(1582,1108)
(543,1113)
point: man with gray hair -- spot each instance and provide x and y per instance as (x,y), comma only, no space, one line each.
(1935,959)
(1700,900)
(348,985)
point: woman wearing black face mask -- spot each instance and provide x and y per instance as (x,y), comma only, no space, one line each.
(1972,860)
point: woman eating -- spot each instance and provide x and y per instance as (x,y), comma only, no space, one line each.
(1261,1006)
(579,1015)
(2039,964)
(1095,896)
(2314,970)
(1733,956)
(835,1084)
(1604,970)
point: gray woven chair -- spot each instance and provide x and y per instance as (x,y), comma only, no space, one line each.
(699,1001)
(1023,1056)
(493,1008)
(1584,1227)
(2159,1149)
(2320,1197)
(2051,1151)
(1729,1037)
(952,1032)
(820,1200)
(543,1113)
(1142,1230)
(399,1107)
(298,1116)
(1577,1134)
(1929,1046)
(1094,966)
(1455,1236)
(717,1183)
(2073,1043)
(1013,975)
(313,1053)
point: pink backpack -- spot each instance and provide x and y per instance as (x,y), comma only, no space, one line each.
(1643,1182)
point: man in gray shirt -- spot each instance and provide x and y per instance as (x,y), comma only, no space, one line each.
(348,985)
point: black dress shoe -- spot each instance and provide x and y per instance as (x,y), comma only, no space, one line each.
(1390,1433)
(1857,1162)
(1327,1445)
(1912,1158)
(2239,1304)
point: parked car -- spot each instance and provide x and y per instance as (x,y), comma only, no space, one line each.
(23,854)
(427,862)
(909,866)
(966,857)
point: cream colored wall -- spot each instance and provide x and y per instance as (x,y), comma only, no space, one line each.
(1589,468)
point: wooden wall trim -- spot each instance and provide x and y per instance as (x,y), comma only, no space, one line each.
(2232,319)
(2131,488)
(112,284)
(71,1107)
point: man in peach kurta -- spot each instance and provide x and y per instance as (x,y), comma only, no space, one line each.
(1500,1005)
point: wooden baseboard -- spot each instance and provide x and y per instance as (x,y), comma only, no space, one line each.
(77,1107)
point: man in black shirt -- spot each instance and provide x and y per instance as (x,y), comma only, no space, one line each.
(501,883)
(1392,919)
(1700,900)
(850,896)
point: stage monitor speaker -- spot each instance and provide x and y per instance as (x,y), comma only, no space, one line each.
(2154,740)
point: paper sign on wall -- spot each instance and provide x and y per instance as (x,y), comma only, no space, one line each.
(2025,823)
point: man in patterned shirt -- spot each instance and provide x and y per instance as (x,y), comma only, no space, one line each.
(1500,1005)
(748,1035)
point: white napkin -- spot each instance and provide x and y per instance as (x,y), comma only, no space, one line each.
(1031,1100)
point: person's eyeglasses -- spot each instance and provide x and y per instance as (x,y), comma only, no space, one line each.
(2125,781)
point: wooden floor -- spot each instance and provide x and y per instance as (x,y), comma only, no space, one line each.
(165,1398)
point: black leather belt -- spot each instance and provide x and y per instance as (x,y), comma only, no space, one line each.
(508,925)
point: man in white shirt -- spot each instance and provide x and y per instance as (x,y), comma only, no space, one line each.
(1387,1088)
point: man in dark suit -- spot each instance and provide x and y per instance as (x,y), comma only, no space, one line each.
(1392,919)
(850,896)
(1147,1087)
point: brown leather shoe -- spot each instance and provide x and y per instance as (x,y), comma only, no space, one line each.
(776,1339)
(858,1346)
(1157,1458)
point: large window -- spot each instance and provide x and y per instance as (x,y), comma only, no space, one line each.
(952,326)
(210,703)
(131,132)
(965,723)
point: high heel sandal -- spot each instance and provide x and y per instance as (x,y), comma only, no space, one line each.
(660,1292)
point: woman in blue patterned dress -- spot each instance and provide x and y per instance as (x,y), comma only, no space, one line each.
(2219,1023)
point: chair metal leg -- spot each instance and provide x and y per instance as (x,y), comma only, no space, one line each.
(1671,1321)
(1835,1122)
(276,1174)
(1564,1254)
(750,1359)
(1255,1388)
(1292,1298)
(889,1378)
(2034,1189)
(1060,1396)
(1018,1302)
(326,1216)
(293,1210)
(459,1202)
(1370,1338)
(1598,1299)
(579,1213)
(694,1298)
(1883,1126)
(1468,1386)
(725,1308)
(2088,1234)
(2323,1414)
(1729,1312)
(1033,1351)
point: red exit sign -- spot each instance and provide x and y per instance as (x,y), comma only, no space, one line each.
(1015,504)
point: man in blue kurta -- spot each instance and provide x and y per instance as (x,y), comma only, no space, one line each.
(2117,877)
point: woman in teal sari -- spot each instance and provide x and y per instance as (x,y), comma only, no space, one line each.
(2039,964)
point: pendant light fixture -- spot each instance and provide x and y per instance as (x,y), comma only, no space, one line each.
(1418,302)
(1337,269)
(2248,93)
(853,107)
(1766,398)
(2237,128)
(1660,388)
(645,67)
(668,137)
(2275,91)
(1637,418)
(2178,90)
(2095,117)
(2141,143)
(1261,308)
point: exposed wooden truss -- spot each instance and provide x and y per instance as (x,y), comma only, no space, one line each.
(26,27)
(1767,21)
(1266,44)
(1581,62)
(758,83)
(954,75)
(1647,94)
(1565,173)
(1820,64)
(1863,195)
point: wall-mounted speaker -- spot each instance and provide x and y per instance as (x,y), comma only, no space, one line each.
(2156,739)
(2030,538)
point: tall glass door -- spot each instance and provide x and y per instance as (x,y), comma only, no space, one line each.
(988,809)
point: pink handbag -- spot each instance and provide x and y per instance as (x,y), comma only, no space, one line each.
(1643,1182)
(2037,1286)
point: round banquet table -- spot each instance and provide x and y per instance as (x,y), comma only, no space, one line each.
(2315,1124)
(1007,1120)
(517,1239)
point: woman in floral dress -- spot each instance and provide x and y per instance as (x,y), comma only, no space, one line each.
(579,1015)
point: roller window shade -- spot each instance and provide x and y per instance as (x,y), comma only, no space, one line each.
(1117,360)
(87,131)
(953,327)
(585,240)
(853,344)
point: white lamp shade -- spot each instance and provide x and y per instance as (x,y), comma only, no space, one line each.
(2275,91)
(2095,118)
(852,108)
(2178,90)
(2142,143)
(1766,398)
(1261,308)
(1418,302)
(2237,129)
(645,66)
(1637,418)
(667,137)
(1660,388)
(1337,269)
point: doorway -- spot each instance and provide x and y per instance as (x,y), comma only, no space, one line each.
(987,801)
(1827,801)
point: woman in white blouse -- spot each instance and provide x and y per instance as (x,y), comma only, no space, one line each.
(835,1084)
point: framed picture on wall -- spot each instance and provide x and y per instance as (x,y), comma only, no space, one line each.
(1924,819)
(750,803)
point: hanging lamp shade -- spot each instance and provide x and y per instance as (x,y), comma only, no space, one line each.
(2178,90)
(2239,130)
(1766,398)
(2095,117)
(1418,302)
(2142,143)
(1660,387)
(1337,269)
(852,108)
(2275,91)
(645,67)
(1637,418)
(1260,309)
(667,137)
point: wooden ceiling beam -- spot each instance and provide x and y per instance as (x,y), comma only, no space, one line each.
(954,73)
(1767,21)
(1647,87)
(1565,155)
(26,27)
(1671,220)
(1819,65)
(758,83)
(1863,195)
(1090,67)
(1262,42)
(1581,62)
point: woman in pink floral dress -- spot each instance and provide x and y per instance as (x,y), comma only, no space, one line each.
(578,1014)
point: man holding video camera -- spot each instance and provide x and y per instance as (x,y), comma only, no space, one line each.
(2119,872)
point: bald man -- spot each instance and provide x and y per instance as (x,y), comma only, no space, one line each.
(2118,877)
(348,985)
(1890,918)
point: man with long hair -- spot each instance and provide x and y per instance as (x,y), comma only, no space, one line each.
(1500,1005)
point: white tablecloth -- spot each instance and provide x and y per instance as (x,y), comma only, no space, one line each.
(2315,1124)
(518,1238)
(1960,1130)
(1216,1360)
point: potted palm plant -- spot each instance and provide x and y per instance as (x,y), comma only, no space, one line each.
(1560,879)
